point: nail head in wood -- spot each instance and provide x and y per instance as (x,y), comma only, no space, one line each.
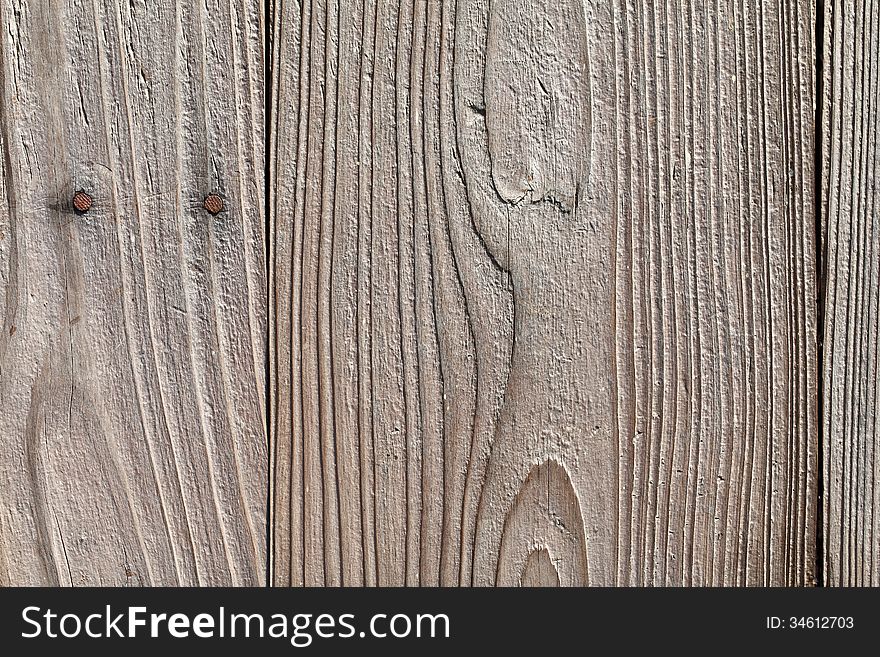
(213,203)
(82,202)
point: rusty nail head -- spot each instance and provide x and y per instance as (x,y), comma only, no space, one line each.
(213,203)
(82,201)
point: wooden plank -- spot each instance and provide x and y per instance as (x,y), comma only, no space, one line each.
(544,293)
(132,350)
(851,493)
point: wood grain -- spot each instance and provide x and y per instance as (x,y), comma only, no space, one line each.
(544,290)
(132,350)
(715,367)
(851,555)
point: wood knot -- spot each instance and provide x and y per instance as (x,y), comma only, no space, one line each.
(537,101)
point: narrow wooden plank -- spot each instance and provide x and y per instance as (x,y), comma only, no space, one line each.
(544,293)
(851,42)
(132,357)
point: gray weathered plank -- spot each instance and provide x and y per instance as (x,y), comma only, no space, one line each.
(544,293)
(132,428)
(851,499)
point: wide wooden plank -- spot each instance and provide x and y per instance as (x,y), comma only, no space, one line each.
(851,436)
(543,284)
(132,350)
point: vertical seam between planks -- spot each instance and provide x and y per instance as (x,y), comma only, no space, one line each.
(818,133)
(269,243)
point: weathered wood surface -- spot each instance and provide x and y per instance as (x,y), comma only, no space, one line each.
(543,283)
(851,439)
(132,346)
